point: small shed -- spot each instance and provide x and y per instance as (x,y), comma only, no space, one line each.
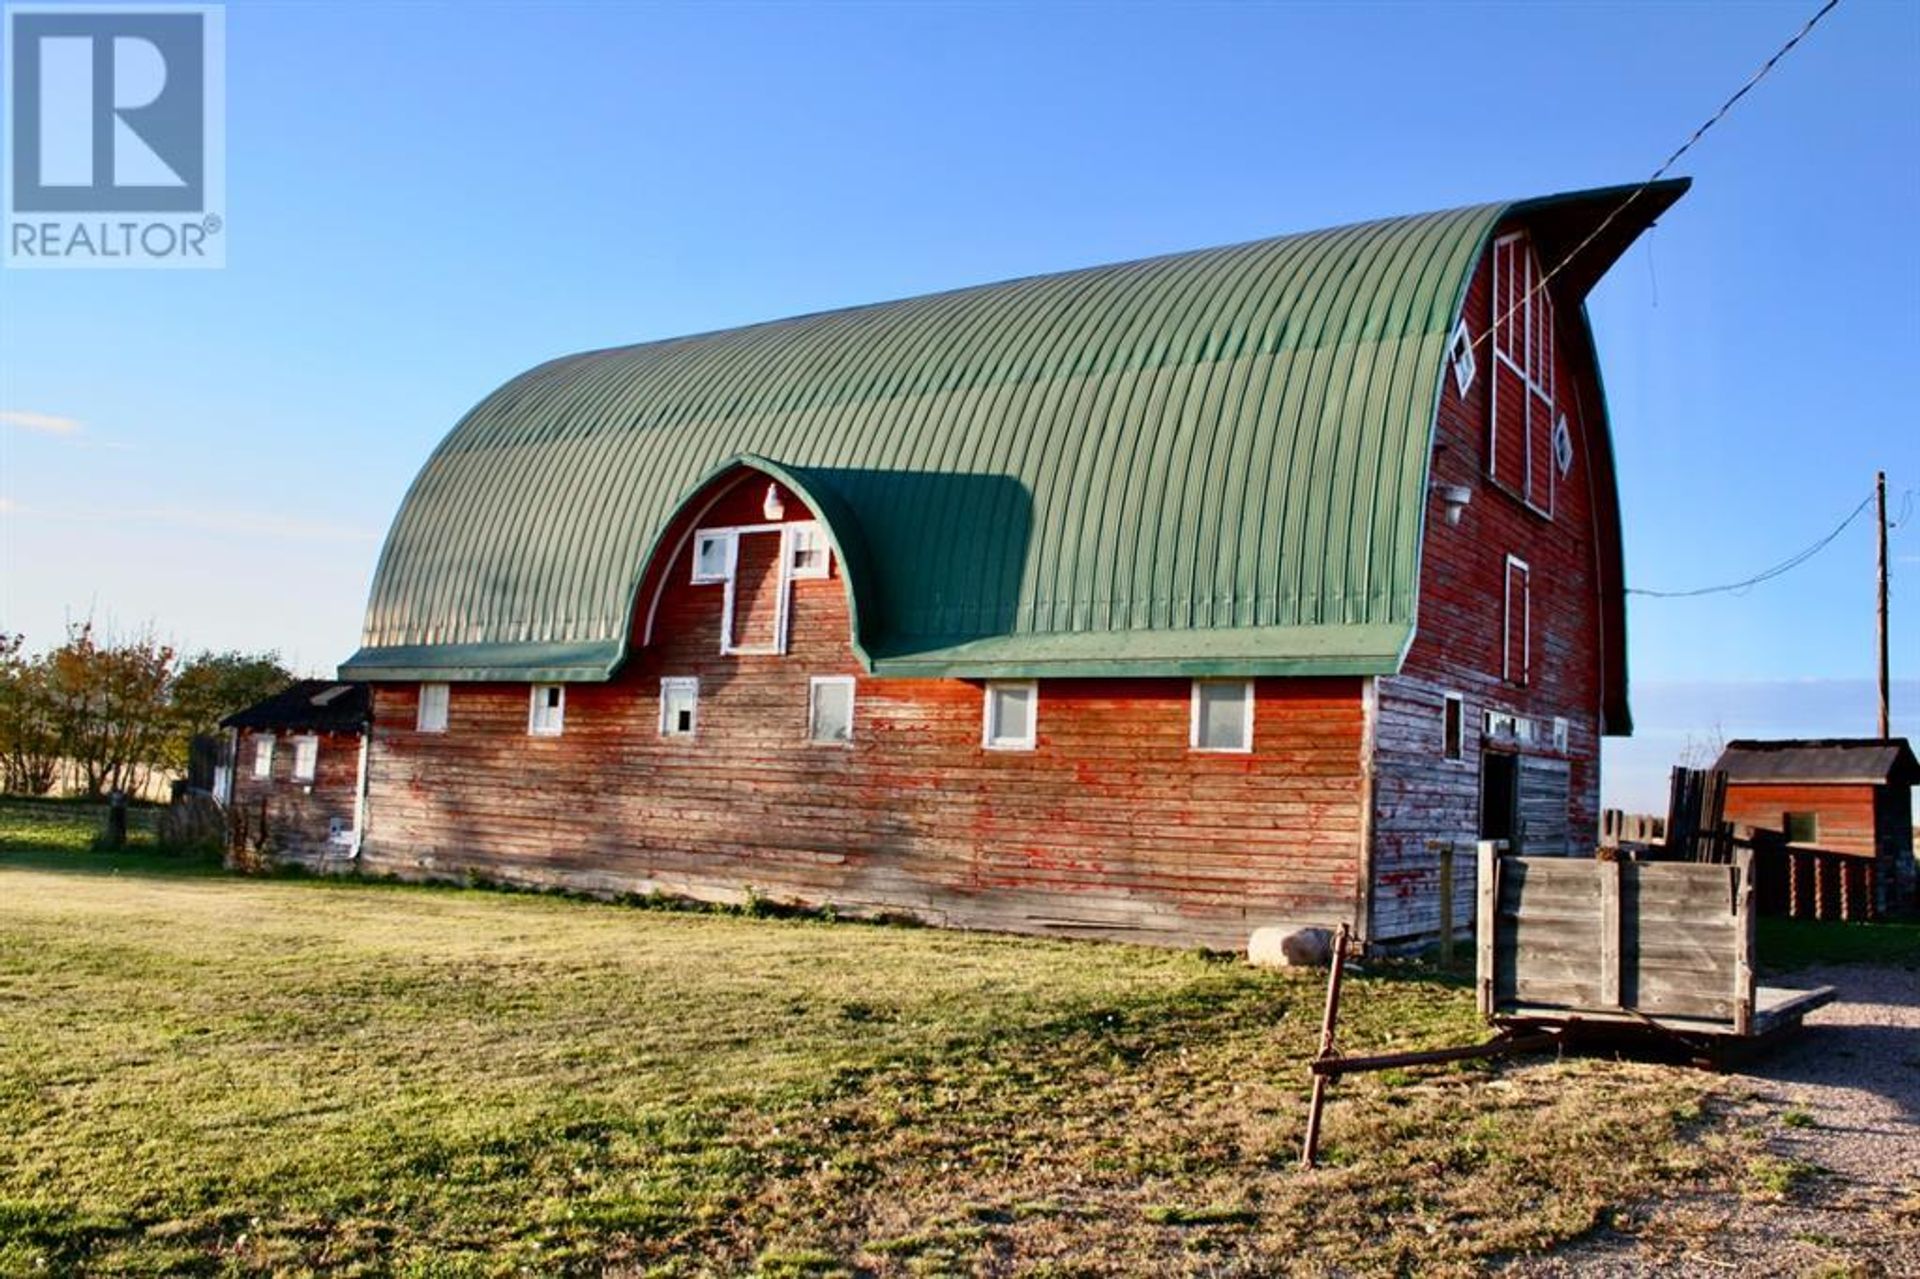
(299,772)
(1832,817)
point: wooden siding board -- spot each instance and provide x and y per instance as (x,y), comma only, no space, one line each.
(1418,796)
(299,814)
(1112,826)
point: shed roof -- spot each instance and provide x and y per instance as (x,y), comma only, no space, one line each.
(1859,760)
(1207,462)
(309,706)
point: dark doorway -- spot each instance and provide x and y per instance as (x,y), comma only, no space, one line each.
(1499,797)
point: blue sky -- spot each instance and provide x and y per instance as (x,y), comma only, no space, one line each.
(425,199)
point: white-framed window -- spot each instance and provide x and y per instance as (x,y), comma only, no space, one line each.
(547,710)
(1011,712)
(713,552)
(432,716)
(1460,356)
(1222,715)
(1521,395)
(830,709)
(1560,734)
(679,706)
(1516,649)
(306,757)
(1453,727)
(808,554)
(263,756)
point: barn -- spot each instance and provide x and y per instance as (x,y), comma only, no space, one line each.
(1159,601)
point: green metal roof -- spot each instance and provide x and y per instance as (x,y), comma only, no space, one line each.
(1207,462)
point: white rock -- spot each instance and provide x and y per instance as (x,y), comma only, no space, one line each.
(1288,946)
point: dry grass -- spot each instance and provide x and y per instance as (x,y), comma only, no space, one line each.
(210,1074)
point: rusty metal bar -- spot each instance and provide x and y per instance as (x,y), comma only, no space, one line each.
(1498,1047)
(1336,969)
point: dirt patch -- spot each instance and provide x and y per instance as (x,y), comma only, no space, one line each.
(1829,1131)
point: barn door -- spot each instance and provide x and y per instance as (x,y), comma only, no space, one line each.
(1545,792)
(1500,798)
(757,594)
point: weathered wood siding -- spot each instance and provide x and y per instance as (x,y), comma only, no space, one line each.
(1669,943)
(1460,645)
(1845,812)
(1112,826)
(299,814)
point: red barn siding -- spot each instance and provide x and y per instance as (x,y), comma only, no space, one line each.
(1111,826)
(1846,812)
(1461,639)
(299,814)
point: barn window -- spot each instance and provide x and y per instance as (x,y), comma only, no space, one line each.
(306,757)
(1010,715)
(1460,356)
(830,709)
(712,556)
(1521,451)
(807,553)
(1222,715)
(679,706)
(1453,728)
(547,713)
(1516,657)
(432,716)
(1560,734)
(1801,828)
(263,756)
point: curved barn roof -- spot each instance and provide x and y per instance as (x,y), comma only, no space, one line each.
(1212,461)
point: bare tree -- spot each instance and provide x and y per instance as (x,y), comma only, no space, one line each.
(1701,750)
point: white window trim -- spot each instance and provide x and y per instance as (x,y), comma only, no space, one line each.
(445,697)
(988,738)
(1446,700)
(853,698)
(727,538)
(1193,719)
(791,533)
(534,728)
(309,743)
(1531,389)
(782,598)
(1526,623)
(1562,734)
(263,745)
(691,683)
(1460,357)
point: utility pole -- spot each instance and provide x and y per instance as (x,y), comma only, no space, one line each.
(1880,495)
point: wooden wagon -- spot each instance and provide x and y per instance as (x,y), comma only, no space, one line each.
(1612,947)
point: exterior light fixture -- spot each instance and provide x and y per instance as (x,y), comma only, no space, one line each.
(1456,497)
(773,508)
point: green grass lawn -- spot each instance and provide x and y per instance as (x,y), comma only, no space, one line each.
(1787,944)
(211,1074)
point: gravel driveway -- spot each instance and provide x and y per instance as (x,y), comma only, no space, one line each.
(1838,1187)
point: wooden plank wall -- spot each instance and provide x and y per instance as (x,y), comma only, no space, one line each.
(298,813)
(1418,795)
(1667,939)
(1847,822)
(1113,826)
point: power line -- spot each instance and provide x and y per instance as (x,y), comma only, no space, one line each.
(1665,165)
(1784,566)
